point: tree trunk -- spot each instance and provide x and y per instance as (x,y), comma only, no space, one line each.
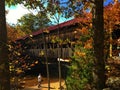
(46,59)
(59,63)
(98,27)
(4,64)
(47,67)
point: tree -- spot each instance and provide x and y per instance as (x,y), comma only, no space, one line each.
(80,72)
(30,22)
(14,33)
(111,19)
(99,62)
(96,6)
(4,63)
(98,30)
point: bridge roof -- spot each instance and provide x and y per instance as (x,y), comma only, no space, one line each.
(61,25)
(51,28)
(55,27)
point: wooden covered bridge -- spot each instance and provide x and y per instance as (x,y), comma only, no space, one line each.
(61,37)
(58,40)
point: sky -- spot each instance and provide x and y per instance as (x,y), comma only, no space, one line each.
(16,12)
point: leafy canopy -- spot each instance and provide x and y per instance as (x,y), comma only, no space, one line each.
(30,23)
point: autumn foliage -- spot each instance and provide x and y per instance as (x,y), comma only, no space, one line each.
(14,34)
(111,16)
(82,59)
(80,70)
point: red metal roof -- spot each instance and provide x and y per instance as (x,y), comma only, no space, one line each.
(51,28)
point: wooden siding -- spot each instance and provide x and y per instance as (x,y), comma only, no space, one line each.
(52,53)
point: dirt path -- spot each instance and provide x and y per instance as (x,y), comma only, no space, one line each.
(31,84)
(54,86)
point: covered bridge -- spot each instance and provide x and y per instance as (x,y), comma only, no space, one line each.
(60,37)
